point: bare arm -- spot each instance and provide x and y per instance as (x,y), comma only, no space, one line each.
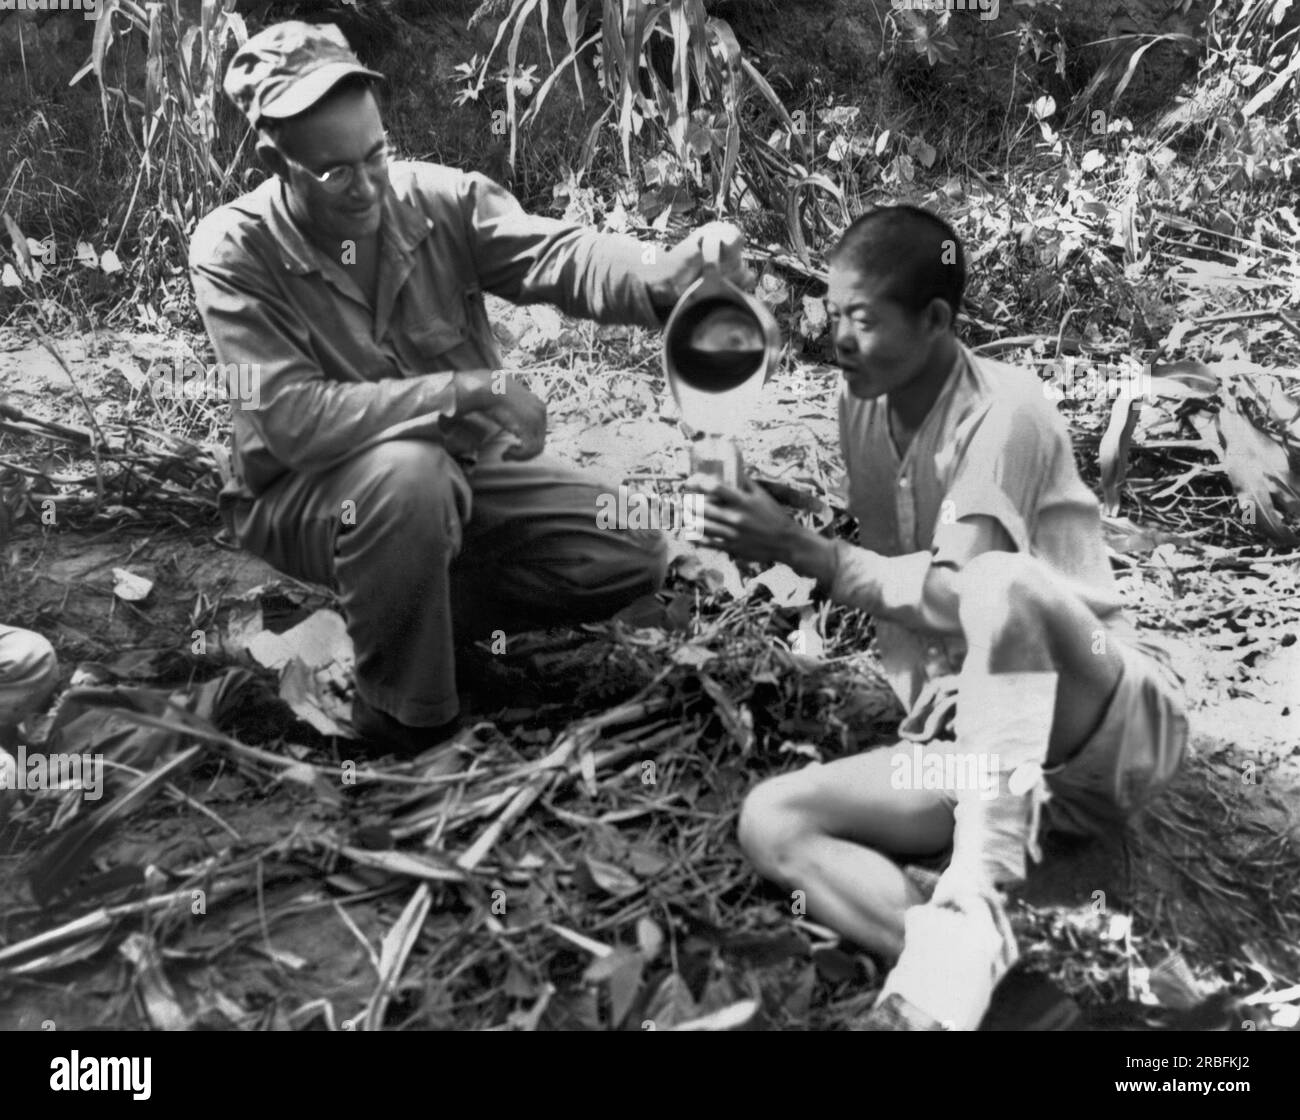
(919,591)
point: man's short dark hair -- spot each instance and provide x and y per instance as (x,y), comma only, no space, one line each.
(916,254)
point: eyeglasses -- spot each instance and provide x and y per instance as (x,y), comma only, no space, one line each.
(337,179)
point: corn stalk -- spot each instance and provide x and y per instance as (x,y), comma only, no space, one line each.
(173,126)
(693,113)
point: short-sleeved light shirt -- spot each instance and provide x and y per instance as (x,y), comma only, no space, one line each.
(993,444)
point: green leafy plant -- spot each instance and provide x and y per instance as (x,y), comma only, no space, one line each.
(170,117)
(925,32)
(687,113)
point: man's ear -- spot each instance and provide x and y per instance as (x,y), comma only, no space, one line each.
(271,156)
(939,316)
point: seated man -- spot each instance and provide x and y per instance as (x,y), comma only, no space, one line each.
(29,672)
(377,447)
(981,558)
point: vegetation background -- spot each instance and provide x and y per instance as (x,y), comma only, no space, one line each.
(1123,174)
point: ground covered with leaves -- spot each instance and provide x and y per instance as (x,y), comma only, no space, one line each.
(569,860)
(571,863)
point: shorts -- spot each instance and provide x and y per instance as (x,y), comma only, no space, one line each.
(1131,756)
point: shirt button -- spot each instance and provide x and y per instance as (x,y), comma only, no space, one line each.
(902,482)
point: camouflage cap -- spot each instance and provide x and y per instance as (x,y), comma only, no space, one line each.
(286,68)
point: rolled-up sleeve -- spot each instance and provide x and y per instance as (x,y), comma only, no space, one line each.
(1000,463)
(1000,470)
(526,258)
(893,586)
(304,420)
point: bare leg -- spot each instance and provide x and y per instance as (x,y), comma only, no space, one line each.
(1016,617)
(830,830)
(1025,636)
(823,831)
(1036,682)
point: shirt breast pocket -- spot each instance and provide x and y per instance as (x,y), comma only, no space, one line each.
(436,340)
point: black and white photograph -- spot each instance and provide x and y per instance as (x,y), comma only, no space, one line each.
(651,515)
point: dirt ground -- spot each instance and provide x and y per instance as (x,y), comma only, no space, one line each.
(1239,656)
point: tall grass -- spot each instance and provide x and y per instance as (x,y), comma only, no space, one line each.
(166,101)
(675,86)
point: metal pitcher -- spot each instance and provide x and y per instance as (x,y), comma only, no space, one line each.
(718,347)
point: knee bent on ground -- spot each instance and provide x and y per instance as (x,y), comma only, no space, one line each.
(771,825)
(28,673)
(413,485)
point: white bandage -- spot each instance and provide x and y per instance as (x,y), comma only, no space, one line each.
(954,955)
(1005,720)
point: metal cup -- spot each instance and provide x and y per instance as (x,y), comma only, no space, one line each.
(719,345)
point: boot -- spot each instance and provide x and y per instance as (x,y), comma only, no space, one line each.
(387,735)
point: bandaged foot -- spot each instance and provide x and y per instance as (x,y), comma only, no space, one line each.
(959,945)
(1004,719)
(954,955)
